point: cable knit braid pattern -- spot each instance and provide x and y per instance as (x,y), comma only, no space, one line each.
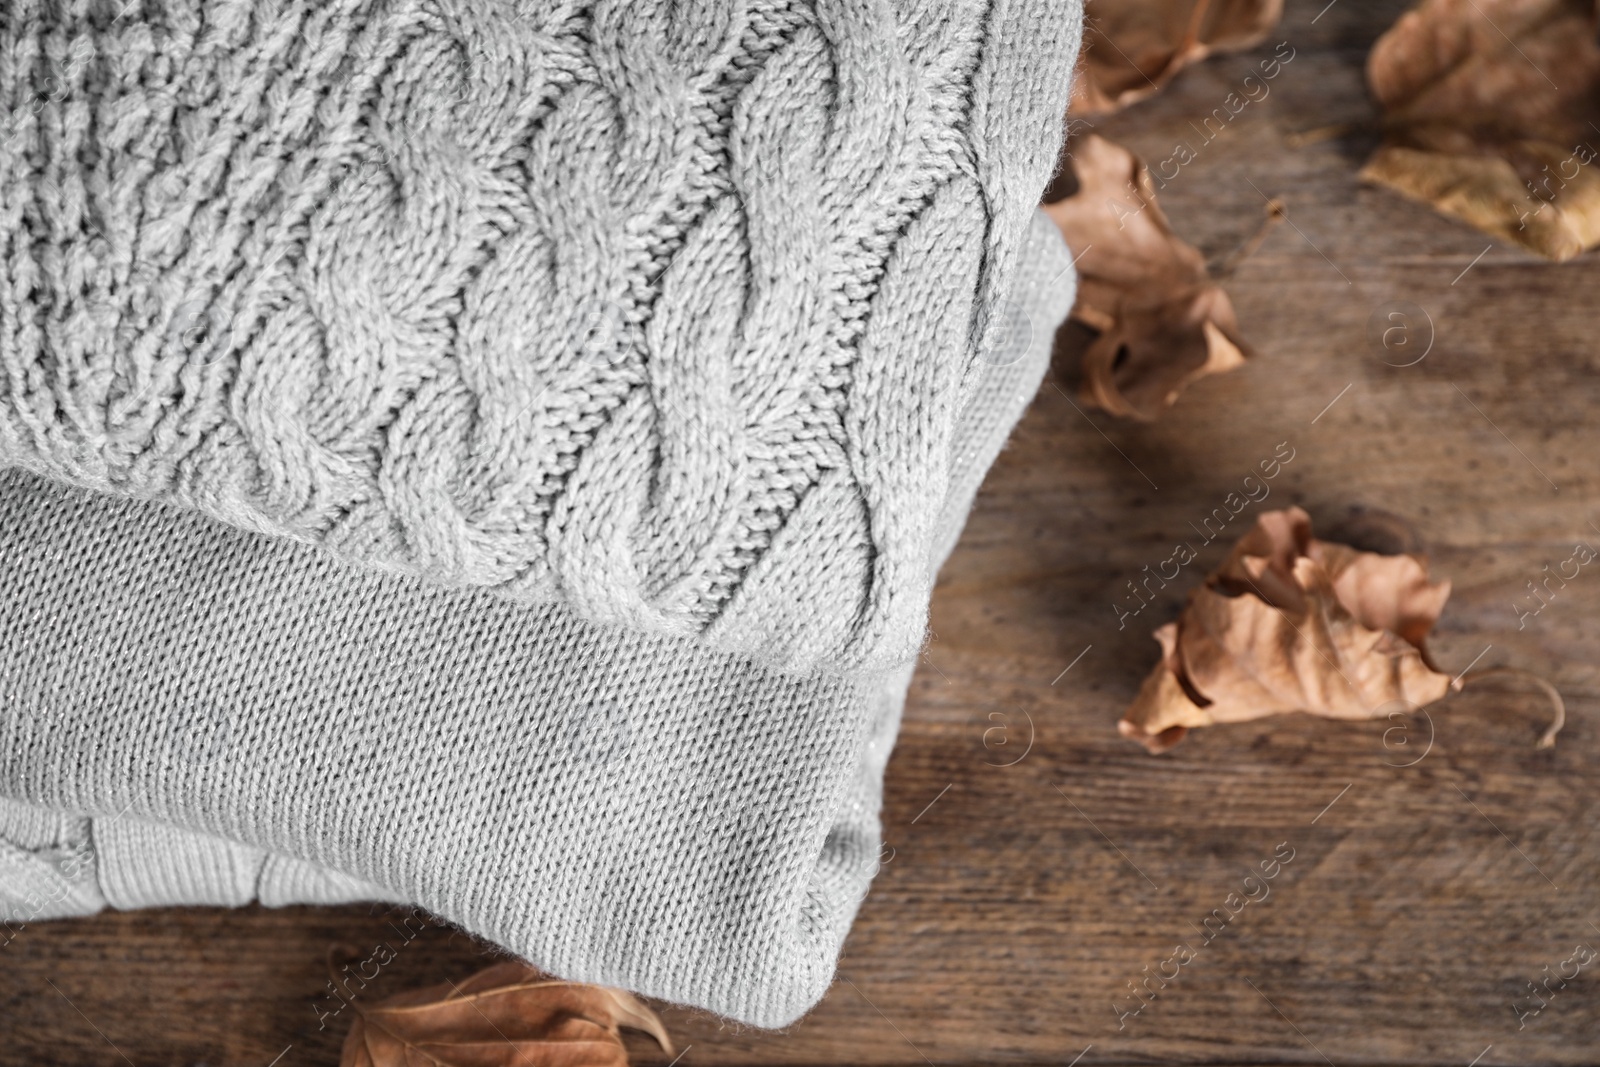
(662,311)
(190,714)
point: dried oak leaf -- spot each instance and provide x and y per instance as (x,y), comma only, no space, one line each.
(1133,47)
(506,1014)
(1161,321)
(1475,126)
(1290,623)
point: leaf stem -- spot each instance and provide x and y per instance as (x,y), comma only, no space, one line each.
(1556,702)
(1274,215)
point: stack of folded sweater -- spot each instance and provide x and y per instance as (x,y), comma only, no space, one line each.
(494,455)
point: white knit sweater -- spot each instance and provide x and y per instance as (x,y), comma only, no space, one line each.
(496,456)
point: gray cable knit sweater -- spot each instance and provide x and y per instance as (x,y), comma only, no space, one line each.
(566,407)
(623,305)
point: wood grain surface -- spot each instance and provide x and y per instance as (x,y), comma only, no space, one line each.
(1036,864)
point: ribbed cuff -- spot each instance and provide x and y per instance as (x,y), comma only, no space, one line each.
(146,864)
(29,827)
(47,871)
(286,880)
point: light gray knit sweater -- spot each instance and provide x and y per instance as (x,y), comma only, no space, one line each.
(664,311)
(651,352)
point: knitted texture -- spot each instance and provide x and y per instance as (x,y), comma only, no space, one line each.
(664,312)
(47,867)
(614,806)
(53,865)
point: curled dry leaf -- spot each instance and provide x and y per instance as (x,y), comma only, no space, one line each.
(506,1014)
(1133,47)
(1492,114)
(1291,623)
(1161,321)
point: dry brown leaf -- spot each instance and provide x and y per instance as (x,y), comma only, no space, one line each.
(506,1014)
(1492,114)
(1161,321)
(1133,47)
(1290,623)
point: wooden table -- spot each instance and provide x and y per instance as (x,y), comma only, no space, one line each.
(1028,886)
